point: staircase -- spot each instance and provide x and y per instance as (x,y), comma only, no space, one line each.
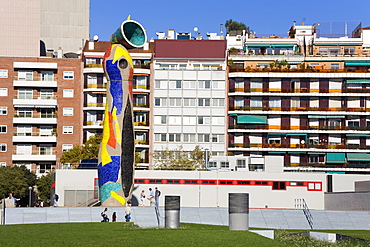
(301,204)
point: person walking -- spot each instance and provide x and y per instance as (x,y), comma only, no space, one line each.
(55,199)
(128,212)
(151,197)
(142,197)
(114,217)
(157,195)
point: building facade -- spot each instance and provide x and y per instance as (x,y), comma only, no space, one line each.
(189,95)
(40,117)
(305,97)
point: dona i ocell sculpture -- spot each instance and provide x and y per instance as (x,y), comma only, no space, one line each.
(117,149)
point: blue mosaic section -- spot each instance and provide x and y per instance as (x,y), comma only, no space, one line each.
(107,188)
(115,88)
(109,172)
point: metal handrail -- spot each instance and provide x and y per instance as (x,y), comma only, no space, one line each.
(301,204)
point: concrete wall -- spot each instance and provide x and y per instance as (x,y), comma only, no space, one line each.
(348,201)
(146,217)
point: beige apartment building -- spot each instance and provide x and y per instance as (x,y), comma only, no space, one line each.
(40,111)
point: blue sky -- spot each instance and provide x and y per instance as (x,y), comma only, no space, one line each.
(264,17)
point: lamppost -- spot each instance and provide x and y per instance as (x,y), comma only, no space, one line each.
(206,158)
(29,194)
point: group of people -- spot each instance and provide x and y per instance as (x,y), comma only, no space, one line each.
(153,197)
(104,214)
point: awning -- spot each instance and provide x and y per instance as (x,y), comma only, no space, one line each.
(252,119)
(335,157)
(357,63)
(316,153)
(358,81)
(294,62)
(357,135)
(358,157)
(324,116)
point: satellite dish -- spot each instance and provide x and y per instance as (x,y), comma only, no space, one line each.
(96,37)
(195,29)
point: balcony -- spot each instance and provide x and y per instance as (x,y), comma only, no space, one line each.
(141,142)
(141,123)
(35,118)
(306,70)
(308,147)
(93,65)
(96,86)
(94,104)
(37,100)
(35,155)
(141,105)
(36,81)
(93,125)
(142,87)
(34,137)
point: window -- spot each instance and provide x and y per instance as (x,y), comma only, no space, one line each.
(25,112)
(160,84)
(174,137)
(204,102)
(3,110)
(141,82)
(239,83)
(334,66)
(175,120)
(313,159)
(2,147)
(203,137)
(175,84)
(24,130)
(24,149)
(218,138)
(160,119)
(241,164)
(353,123)
(92,79)
(239,102)
(204,84)
(160,101)
(67,129)
(47,75)
(278,186)
(3,128)
(3,73)
(47,113)
(314,186)
(349,50)
(212,164)
(218,84)
(189,137)
(256,102)
(224,164)
(189,102)
(218,102)
(25,94)
(25,75)
(45,149)
(203,120)
(2,164)
(67,111)
(68,75)
(274,140)
(175,101)
(68,93)
(3,92)
(46,93)
(189,84)
(46,130)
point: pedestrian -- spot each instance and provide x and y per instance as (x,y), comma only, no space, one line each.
(142,197)
(157,195)
(41,204)
(151,197)
(55,199)
(104,215)
(128,211)
(114,217)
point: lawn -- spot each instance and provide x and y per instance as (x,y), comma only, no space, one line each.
(126,234)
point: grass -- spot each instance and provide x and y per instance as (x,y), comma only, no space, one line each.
(127,234)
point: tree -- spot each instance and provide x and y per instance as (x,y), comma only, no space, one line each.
(44,187)
(235,26)
(179,159)
(89,150)
(15,179)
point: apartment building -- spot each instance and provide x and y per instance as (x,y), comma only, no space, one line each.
(40,115)
(95,95)
(305,97)
(42,27)
(189,93)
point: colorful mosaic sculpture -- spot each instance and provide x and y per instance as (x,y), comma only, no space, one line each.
(117,149)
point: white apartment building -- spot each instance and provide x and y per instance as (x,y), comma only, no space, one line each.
(189,95)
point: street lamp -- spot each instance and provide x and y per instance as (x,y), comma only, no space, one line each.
(206,158)
(29,194)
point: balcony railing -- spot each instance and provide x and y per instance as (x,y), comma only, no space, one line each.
(141,87)
(37,78)
(267,108)
(53,133)
(93,65)
(36,152)
(301,90)
(94,104)
(141,123)
(96,123)
(141,142)
(145,105)
(95,86)
(284,70)
(35,115)
(38,97)
(298,146)
(326,165)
